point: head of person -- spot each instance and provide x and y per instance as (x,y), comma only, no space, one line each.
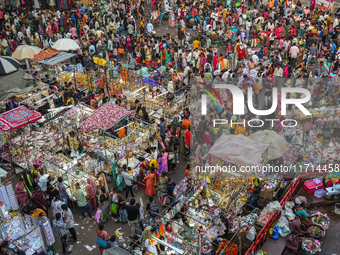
(64,207)
(20,180)
(170,180)
(102,189)
(58,216)
(60,179)
(101,226)
(150,199)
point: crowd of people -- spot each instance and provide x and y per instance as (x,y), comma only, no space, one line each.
(208,42)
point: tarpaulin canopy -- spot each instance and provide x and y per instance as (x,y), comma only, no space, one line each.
(63,56)
(104,117)
(16,83)
(277,144)
(17,118)
(45,54)
(238,150)
(116,251)
(46,139)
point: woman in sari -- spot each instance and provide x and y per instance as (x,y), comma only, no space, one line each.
(161,190)
(21,192)
(102,181)
(39,200)
(181,139)
(143,167)
(105,204)
(101,233)
(150,188)
(35,212)
(91,190)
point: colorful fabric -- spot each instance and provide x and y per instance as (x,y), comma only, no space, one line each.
(104,117)
(45,54)
(18,117)
(46,139)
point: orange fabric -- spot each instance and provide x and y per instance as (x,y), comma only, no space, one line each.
(186,173)
(186,124)
(36,214)
(122,132)
(150,188)
(226,248)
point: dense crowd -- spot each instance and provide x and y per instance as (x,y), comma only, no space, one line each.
(208,42)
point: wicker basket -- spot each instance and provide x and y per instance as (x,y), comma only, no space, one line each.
(336,209)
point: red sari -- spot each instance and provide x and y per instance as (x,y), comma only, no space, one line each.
(150,188)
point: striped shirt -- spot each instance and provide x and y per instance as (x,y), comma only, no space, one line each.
(59,228)
(69,218)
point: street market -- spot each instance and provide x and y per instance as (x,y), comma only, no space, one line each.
(169,127)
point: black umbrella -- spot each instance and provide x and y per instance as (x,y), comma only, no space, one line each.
(8,65)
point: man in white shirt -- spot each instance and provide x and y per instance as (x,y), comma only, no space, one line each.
(149,28)
(56,205)
(294,51)
(255,58)
(128,178)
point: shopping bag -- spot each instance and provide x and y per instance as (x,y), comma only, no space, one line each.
(165,200)
(114,208)
(121,51)
(98,215)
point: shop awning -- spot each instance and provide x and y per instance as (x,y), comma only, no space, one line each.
(45,139)
(45,54)
(238,149)
(63,56)
(104,117)
(18,117)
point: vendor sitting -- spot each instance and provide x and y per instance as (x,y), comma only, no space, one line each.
(302,210)
(122,131)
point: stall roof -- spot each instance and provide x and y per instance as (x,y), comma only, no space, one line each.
(16,83)
(237,149)
(104,117)
(18,117)
(63,56)
(48,53)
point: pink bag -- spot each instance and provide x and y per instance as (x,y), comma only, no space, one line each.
(98,214)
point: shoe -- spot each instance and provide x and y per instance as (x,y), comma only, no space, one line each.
(177,162)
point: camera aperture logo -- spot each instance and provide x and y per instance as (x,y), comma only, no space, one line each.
(238,104)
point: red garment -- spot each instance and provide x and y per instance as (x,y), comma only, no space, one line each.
(38,198)
(188,138)
(150,187)
(14,45)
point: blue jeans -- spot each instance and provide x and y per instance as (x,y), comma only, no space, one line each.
(63,242)
(141,225)
(172,200)
(253,201)
(64,200)
(129,189)
(88,209)
(148,217)
(122,215)
(247,34)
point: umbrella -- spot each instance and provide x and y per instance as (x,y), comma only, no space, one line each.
(8,65)
(65,44)
(277,145)
(25,52)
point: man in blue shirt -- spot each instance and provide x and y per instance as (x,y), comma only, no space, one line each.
(60,230)
(83,9)
(333,48)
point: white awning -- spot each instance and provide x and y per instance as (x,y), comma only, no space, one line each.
(57,59)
